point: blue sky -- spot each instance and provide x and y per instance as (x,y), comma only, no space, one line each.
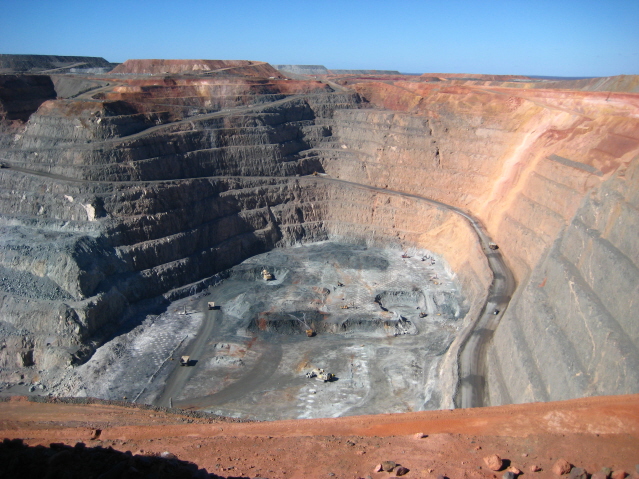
(559,37)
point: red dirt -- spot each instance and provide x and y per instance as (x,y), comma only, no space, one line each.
(591,433)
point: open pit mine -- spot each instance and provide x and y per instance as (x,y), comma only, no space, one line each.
(300,243)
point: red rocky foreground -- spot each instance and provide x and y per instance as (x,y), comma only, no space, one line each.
(598,435)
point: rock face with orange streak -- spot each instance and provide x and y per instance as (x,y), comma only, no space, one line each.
(578,302)
(552,174)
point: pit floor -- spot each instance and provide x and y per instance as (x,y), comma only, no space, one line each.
(249,355)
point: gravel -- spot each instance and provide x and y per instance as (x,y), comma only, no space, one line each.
(25,284)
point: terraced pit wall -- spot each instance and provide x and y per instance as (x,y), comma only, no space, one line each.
(111,211)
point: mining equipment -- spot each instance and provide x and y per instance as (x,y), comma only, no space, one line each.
(493,246)
(185,360)
(344,307)
(313,373)
(340,284)
(310,333)
(423,315)
(266,276)
(325,377)
(320,375)
(496,312)
(211,305)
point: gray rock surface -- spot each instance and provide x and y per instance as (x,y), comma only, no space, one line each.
(572,305)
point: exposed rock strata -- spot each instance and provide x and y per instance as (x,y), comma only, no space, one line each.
(157,184)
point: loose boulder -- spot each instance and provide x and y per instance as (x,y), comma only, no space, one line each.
(401,471)
(578,473)
(561,467)
(388,466)
(494,462)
